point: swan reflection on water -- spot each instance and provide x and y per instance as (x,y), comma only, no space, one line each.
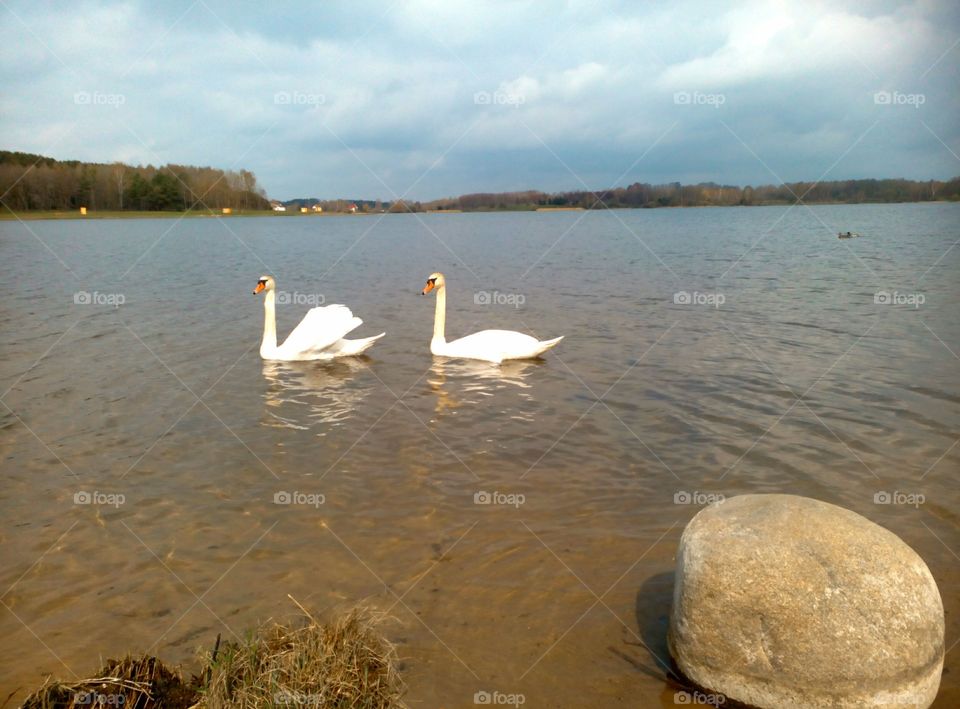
(301,395)
(460,382)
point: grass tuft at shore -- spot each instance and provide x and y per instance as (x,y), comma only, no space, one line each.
(133,683)
(345,663)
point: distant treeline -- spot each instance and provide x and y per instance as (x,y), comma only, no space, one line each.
(670,195)
(704,195)
(29,182)
(33,182)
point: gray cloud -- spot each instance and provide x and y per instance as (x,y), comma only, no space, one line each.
(439,98)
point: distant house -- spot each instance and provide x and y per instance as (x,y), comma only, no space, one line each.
(277,207)
(317,208)
(352,208)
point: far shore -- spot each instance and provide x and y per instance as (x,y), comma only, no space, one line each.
(7,215)
(117,214)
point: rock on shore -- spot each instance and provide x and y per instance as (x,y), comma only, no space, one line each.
(786,601)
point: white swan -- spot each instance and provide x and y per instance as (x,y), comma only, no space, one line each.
(318,336)
(490,345)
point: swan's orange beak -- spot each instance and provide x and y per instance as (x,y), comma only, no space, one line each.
(429,287)
(260,286)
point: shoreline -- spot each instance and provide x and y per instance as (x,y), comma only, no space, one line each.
(57,215)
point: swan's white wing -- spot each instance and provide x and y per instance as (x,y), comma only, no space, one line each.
(345,348)
(494,345)
(320,328)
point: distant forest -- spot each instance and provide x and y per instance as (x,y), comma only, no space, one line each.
(33,182)
(707,194)
(669,195)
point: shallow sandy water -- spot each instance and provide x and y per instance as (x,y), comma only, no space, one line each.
(562,598)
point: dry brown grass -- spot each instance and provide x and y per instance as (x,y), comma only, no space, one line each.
(131,683)
(344,664)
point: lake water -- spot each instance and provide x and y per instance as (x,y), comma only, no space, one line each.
(782,375)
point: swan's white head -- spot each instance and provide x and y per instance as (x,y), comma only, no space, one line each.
(265,283)
(434,280)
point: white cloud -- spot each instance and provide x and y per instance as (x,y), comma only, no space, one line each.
(784,41)
(595,84)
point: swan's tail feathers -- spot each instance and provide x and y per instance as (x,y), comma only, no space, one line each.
(355,347)
(547,344)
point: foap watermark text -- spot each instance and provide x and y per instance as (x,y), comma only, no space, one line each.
(482,497)
(486,297)
(697,497)
(697,697)
(496,698)
(714,300)
(696,98)
(308,499)
(99,98)
(499,98)
(898,497)
(82,297)
(896,98)
(298,98)
(94,698)
(311,300)
(298,699)
(885,297)
(113,499)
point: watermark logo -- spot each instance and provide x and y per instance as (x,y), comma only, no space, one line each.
(499,98)
(485,297)
(296,298)
(686,98)
(895,98)
(883,297)
(698,697)
(915,499)
(496,698)
(697,298)
(697,497)
(114,499)
(97,98)
(313,499)
(98,699)
(286,697)
(298,98)
(482,497)
(82,297)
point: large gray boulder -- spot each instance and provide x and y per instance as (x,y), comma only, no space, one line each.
(786,601)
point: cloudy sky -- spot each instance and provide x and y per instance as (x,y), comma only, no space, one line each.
(426,99)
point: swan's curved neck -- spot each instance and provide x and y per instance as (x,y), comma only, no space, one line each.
(440,316)
(269,341)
